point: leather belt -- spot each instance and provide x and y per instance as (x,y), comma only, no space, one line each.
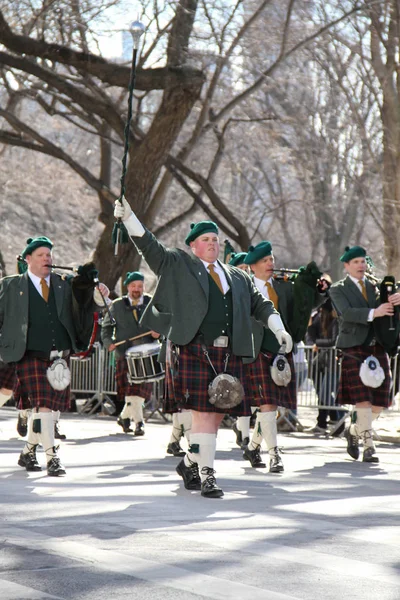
(52,355)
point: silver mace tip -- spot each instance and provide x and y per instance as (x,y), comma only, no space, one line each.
(137,29)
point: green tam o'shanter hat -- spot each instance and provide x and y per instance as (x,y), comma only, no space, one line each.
(197,229)
(237,258)
(34,243)
(258,252)
(133,276)
(353,252)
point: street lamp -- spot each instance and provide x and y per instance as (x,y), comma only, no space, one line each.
(119,234)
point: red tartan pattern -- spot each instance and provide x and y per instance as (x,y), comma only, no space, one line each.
(7,375)
(195,374)
(351,388)
(33,383)
(264,390)
(124,388)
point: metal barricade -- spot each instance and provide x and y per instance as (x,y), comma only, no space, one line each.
(94,375)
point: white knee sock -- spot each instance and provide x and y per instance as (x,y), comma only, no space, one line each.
(56,416)
(185,422)
(32,438)
(126,411)
(4,397)
(269,429)
(243,424)
(176,432)
(46,435)
(257,437)
(363,426)
(202,451)
(136,408)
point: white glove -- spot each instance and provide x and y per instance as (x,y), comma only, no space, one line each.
(278,329)
(123,211)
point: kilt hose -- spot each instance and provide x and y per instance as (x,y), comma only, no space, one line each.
(124,388)
(33,384)
(188,388)
(351,389)
(264,390)
(7,375)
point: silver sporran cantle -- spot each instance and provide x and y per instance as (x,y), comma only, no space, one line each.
(225,391)
(280,370)
(59,375)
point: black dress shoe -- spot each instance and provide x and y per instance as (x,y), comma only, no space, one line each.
(368,455)
(22,425)
(352,444)
(57,434)
(125,424)
(55,468)
(254,457)
(209,487)
(139,429)
(190,475)
(239,437)
(175,449)
(275,462)
(29,460)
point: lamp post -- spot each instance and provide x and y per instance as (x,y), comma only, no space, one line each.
(119,234)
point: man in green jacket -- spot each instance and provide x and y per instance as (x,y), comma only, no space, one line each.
(43,317)
(204,309)
(126,312)
(361,317)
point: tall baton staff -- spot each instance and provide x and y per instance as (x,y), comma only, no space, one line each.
(119,234)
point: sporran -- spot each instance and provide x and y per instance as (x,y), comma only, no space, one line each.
(371,372)
(225,391)
(59,374)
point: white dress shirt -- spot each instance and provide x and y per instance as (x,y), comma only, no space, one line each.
(36,281)
(262,286)
(219,270)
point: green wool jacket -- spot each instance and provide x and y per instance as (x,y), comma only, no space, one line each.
(353,311)
(180,301)
(126,325)
(14,314)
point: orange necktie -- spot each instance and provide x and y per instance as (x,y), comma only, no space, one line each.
(135,312)
(363,289)
(45,290)
(216,278)
(273,296)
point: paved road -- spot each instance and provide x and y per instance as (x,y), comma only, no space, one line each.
(120,525)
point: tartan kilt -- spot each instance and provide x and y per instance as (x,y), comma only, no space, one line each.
(194,374)
(124,388)
(263,388)
(351,389)
(33,383)
(7,375)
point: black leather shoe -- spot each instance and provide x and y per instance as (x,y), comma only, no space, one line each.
(239,437)
(352,444)
(175,449)
(254,457)
(125,424)
(22,425)
(139,429)
(29,460)
(275,462)
(209,487)
(55,468)
(368,455)
(57,434)
(190,475)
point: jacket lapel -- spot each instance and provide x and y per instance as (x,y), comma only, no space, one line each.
(282,297)
(354,292)
(227,274)
(24,294)
(58,293)
(199,271)
(370,293)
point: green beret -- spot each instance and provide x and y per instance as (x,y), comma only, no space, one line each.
(237,258)
(353,252)
(197,229)
(133,276)
(34,243)
(258,252)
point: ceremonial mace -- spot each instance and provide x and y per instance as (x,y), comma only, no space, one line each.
(120,234)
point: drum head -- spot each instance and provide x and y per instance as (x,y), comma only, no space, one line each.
(144,349)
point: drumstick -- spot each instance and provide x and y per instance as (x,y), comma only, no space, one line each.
(132,338)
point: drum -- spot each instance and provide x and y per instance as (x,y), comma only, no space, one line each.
(143,365)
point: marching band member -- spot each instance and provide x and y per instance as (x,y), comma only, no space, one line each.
(267,394)
(39,316)
(360,337)
(203,307)
(127,312)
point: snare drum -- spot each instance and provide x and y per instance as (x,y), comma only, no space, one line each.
(143,365)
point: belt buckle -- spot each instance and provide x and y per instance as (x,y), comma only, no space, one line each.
(221,342)
(372,342)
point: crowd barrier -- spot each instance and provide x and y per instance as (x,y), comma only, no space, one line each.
(317,376)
